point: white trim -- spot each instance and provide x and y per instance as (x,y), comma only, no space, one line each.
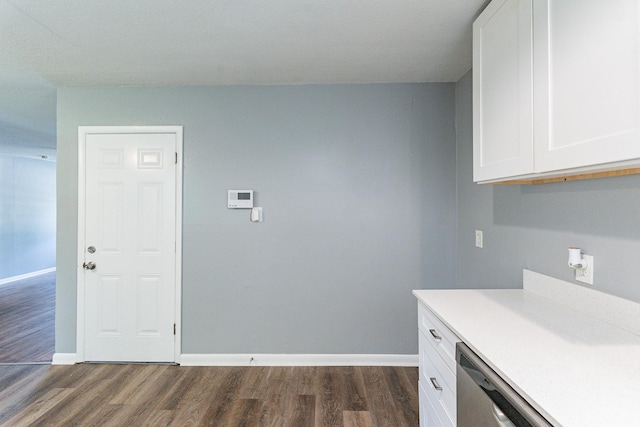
(80,318)
(26,276)
(178,236)
(83,131)
(64,359)
(410,360)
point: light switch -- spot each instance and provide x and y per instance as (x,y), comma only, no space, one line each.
(256,215)
(478,238)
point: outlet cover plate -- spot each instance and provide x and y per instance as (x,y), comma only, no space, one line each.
(586,275)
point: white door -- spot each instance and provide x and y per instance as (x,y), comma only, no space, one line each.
(502,91)
(587,80)
(128,245)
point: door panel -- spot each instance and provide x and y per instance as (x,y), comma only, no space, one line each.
(110,213)
(109,293)
(150,218)
(130,219)
(587,80)
(149,293)
(502,86)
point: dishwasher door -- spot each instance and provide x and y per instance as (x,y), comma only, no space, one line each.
(485,400)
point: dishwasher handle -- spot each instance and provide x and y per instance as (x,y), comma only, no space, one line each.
(501,418)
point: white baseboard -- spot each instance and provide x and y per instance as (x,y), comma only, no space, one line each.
(64,359)
(26,276)
(260,359)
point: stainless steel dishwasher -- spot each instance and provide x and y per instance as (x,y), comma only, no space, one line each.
(486,400)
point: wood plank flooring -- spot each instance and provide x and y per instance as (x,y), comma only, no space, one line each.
(27,316)
(165,395)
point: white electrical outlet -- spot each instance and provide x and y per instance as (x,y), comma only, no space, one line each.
(586,275)
(478,238)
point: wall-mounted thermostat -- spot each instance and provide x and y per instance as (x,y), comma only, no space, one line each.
(240,199)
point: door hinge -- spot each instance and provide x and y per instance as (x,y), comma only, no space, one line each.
(176,157)
(174,329)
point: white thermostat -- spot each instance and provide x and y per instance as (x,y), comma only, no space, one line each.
(240,199)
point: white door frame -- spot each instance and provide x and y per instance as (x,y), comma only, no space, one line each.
(83,131)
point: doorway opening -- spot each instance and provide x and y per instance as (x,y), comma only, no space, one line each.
(27,316)
(27,258)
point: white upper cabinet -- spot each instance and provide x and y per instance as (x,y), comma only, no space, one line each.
(586,80)
(502,90)
(556,87)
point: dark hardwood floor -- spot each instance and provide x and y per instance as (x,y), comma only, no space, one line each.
(164,395)
(27,310)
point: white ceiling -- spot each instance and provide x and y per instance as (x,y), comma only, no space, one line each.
(58,43)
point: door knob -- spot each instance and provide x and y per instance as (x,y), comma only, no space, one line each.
(89,265)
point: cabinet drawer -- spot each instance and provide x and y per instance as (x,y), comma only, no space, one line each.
(438,381)
(441,337)
(428,415)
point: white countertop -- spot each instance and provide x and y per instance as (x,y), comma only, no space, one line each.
(574,369)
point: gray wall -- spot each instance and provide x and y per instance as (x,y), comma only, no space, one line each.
(357,183)
(531,226)
(27,215)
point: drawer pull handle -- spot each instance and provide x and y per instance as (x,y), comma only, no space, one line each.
(435,335)
(434,383)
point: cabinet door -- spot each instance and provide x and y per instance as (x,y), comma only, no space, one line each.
(428,416)
(586,79)
(502,91)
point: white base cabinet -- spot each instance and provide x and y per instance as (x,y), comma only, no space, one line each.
(437,371)
(556,88)
(428,416)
